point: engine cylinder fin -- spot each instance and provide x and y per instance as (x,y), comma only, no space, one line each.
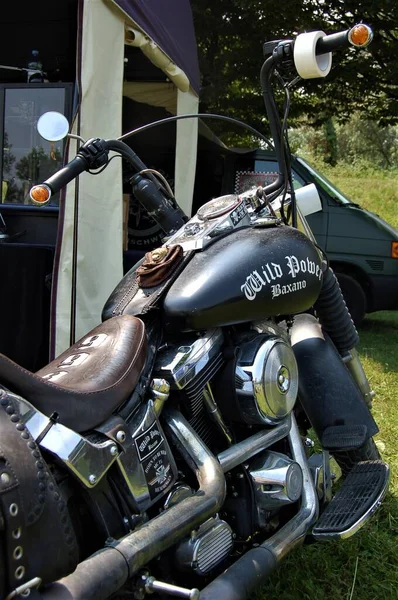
(204,376)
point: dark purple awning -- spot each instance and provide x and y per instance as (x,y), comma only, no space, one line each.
(170,25)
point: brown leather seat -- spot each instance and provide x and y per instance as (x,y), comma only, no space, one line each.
(90,380)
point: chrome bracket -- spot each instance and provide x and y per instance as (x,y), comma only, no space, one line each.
(87,461)
(145,462)
(321,473)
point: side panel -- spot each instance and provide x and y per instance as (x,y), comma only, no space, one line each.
(251,274)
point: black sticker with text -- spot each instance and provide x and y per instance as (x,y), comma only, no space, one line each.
(158,472)
(149,441)
(238,214)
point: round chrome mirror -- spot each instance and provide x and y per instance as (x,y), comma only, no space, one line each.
(53,126)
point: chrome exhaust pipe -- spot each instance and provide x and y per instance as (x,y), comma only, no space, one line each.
(254,567)
(103,573)
(239,453)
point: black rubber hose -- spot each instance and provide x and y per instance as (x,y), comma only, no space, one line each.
(333,314)
(237,582)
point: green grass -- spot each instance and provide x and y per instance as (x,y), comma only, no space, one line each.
(327,571)
(375,190)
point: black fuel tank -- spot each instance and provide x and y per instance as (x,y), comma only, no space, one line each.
(251,274)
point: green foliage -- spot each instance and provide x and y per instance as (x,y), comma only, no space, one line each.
(230,36)
(330,154)
(38,165)
(362,139)
(8,156)
(374,189)
(359,142)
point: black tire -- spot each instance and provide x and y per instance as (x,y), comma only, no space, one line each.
(348,459)
(354,297)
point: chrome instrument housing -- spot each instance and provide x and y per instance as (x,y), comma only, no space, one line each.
(266,378)
(277,480)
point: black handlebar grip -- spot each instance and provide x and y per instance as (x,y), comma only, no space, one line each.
(332,42)
(359,36)
(158,207)
(65,175)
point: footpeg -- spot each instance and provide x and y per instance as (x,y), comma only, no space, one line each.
(344,437)
(359,496)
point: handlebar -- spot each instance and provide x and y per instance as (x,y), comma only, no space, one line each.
(332,42)
(148,191)
(282,53)
(359,36)
(91,155)
(61,178)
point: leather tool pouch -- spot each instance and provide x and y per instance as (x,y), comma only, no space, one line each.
(36,534)
(158,265)
(142,287)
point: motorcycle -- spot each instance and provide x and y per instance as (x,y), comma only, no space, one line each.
(170,447)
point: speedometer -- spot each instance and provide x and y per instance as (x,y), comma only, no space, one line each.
(218,207)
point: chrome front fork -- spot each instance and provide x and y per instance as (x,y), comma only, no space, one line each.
(354,365)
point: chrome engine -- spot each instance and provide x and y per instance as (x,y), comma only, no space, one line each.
(277,480)
(256,384)
(266,379)
(209,545)
(188,368)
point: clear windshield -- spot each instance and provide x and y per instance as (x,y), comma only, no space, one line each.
(327,185)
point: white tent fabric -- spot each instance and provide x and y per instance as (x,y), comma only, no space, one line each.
(186,146)
(100,198)
(155,93)
(100,219)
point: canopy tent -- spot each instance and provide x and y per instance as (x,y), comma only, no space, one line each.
(91,215)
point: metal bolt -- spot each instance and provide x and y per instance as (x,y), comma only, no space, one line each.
(16,534)
(240,476)
(18,552)
(5,478)
(13,509)
(235,495)
(114,450)
(121,436)
(92,479)
(19,572)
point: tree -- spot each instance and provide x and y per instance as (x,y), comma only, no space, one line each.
(9,188)
(230,36)
(38,165)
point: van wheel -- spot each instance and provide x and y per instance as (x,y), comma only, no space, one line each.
(354,297)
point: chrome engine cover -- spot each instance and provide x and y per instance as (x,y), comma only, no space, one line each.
(189,366)
(266,379)
(206,548)
(180,365)
(277,480)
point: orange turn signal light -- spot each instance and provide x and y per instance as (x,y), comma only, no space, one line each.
(40,194)
(360,35)
(394,249)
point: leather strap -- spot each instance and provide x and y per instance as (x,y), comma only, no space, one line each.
(37,535)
